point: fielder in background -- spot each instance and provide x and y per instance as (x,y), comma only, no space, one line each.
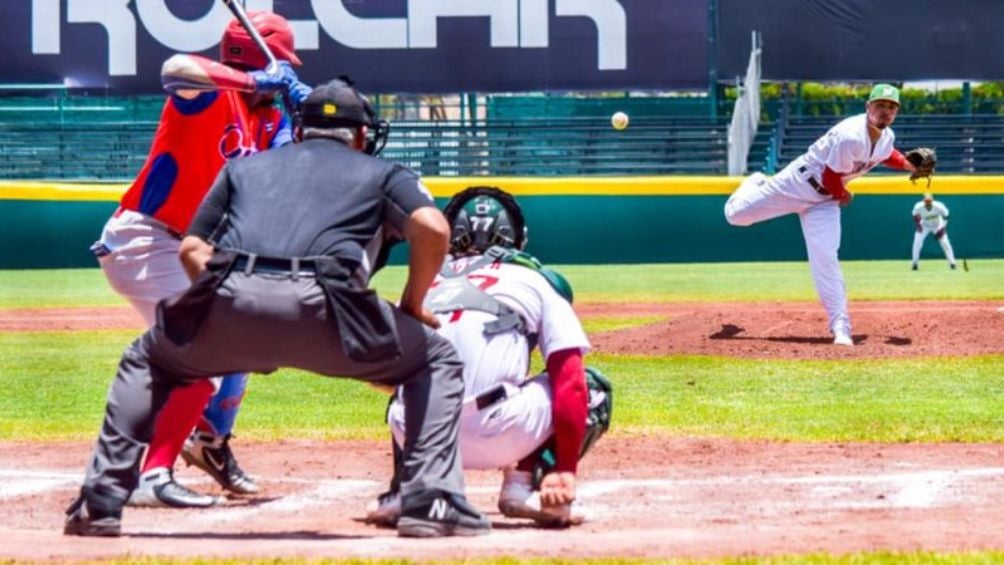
(931,216)
(281,253)
(495,305)
(215,112)
(814,186)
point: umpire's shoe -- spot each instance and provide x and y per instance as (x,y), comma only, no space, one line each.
(436,513)
(158,489)
(385,511)
(212,454)
(92,515)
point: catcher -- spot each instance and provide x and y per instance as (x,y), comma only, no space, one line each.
(814,186)
(496,304)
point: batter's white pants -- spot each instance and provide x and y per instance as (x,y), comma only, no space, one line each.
(759,199)
(140,260)
(918,244)
(501,434)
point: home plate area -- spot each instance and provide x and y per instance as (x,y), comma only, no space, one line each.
(641,497)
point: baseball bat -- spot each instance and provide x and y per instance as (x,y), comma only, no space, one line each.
(237,9)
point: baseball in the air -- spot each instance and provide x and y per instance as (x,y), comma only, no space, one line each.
(619,120)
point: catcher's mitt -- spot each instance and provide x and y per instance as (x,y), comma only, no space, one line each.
(924,160)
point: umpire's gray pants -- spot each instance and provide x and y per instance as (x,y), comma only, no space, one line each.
(258,323)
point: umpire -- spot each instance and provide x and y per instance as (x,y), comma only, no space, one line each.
(281,252)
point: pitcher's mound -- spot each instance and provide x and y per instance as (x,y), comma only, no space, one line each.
(800,330)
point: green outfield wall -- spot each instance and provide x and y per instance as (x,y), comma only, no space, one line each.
(582,220)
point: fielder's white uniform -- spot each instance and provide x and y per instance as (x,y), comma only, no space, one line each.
(519,422)
(846,149)
(932,221)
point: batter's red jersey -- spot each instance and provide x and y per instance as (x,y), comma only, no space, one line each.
(193,141)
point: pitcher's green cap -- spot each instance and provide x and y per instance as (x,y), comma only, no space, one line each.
(884,92)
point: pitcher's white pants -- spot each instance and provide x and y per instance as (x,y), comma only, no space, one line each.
(946,245)
(759,199)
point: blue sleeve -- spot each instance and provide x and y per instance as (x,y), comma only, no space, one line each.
(191,106)
(284,133)
(298,92)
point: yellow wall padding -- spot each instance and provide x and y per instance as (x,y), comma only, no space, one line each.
(526,186)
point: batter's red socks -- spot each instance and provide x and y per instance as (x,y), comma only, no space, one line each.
(175,422)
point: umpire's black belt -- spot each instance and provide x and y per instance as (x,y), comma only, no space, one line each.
(814,183)
(292,267)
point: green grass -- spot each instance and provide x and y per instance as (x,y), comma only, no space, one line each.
(866,280)
(56,288)
(869,558)
(894,400)
(54,383)
(784,281)
(55,386)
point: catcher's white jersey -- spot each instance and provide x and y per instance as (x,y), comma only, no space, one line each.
(846,149)
(505,357)
(510,428)
(933,219)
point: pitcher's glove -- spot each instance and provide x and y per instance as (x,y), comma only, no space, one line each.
(924,160)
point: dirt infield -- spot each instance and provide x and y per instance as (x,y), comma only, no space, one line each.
(642,496)
(799,330)
(764,330)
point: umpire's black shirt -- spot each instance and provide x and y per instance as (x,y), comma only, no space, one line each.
(318,197)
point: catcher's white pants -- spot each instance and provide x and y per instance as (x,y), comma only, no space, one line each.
(518,421)
(759,199)
(918,244)
(501,434)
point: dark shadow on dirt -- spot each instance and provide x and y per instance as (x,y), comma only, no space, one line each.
(728,331)
(732,331)
(295,535)
(237,501)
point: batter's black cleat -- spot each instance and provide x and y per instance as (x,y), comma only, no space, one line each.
(435,513)
(212,454)
(92,518)
(952,266)
(913,268)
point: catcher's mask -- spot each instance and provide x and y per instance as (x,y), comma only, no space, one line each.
(483,216)
(337,104)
